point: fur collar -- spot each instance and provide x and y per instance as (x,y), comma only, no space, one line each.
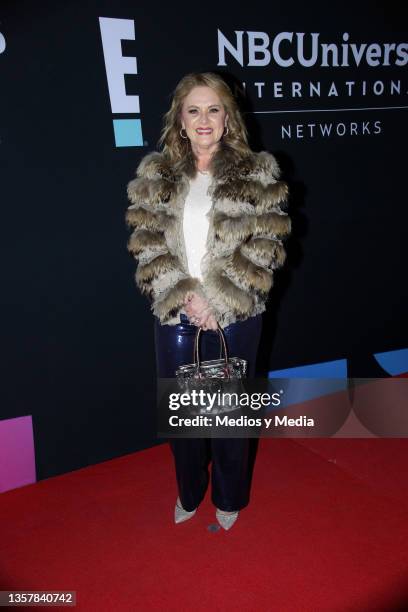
(226,165)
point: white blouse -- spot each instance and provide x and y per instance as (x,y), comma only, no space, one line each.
(195,222)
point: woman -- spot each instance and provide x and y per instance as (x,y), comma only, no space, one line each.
(208,218)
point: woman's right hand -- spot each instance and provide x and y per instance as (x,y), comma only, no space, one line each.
(199,311)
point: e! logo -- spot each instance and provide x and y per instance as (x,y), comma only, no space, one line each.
(128,132)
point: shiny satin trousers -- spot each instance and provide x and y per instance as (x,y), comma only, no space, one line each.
(230,471)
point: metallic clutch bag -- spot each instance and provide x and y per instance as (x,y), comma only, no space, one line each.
(221,376)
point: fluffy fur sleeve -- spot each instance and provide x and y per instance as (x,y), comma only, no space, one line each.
(146,243)
(270,225)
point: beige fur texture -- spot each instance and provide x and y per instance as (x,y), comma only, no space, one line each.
(248,224)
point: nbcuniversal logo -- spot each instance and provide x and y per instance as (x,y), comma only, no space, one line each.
(128,132)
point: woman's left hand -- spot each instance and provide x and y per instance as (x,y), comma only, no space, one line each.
(199,311)
(211,323)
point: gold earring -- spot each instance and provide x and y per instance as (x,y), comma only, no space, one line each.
(182,134)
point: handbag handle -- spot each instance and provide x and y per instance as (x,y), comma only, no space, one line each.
(223,346)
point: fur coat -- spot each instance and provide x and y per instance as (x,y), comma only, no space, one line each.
(247,226)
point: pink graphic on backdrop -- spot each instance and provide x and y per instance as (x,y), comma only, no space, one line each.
(17,459)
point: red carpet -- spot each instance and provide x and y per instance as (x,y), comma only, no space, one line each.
(326,530)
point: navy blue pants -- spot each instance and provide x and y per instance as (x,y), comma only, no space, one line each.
(230,473)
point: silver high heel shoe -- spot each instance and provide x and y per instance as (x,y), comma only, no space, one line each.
(226,519)
(180,514)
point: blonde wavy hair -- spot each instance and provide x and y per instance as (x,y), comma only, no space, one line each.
(176,147)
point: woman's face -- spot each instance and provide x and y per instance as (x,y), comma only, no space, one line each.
(204,119)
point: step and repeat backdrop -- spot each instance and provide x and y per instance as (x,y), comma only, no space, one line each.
(84,86)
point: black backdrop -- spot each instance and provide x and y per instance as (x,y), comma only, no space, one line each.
(77,338)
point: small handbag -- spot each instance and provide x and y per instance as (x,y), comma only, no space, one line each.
(221,376)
